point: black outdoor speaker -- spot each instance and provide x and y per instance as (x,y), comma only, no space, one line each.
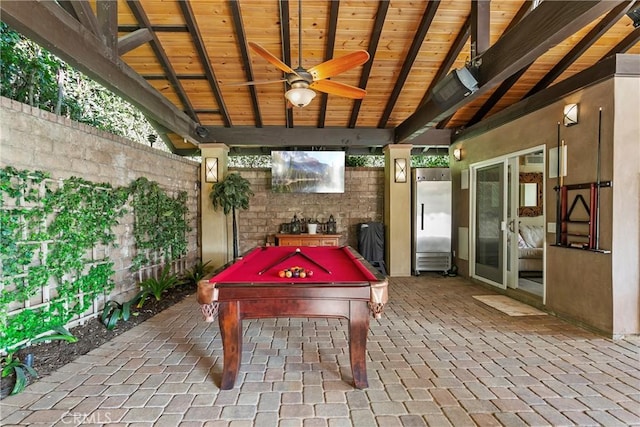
(457,85)
(202,131)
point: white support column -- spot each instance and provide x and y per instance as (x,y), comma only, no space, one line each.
(397,209)
(215,227)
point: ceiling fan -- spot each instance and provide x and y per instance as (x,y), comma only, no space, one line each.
(302,80)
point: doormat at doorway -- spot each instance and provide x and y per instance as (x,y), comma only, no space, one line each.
(509,306)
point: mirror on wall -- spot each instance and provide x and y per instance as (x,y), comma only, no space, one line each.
(530,194)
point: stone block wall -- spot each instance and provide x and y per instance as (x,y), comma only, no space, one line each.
(362,201)
(33,139)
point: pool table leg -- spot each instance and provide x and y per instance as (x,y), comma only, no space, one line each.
(231,331)
(358,328)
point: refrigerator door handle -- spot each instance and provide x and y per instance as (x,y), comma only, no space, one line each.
(422,216)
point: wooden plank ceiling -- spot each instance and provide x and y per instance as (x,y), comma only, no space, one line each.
(181,62)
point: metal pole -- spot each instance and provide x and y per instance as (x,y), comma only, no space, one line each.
(558,205)
(598,180)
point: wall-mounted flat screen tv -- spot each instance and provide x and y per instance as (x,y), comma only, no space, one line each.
(307,171)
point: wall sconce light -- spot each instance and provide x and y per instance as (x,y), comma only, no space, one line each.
(400,170)
(570,116)
(457,154)
(211,169)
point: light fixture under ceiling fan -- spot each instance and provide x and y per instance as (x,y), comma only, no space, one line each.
(303,81)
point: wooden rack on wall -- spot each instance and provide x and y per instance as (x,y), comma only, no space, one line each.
(585,240)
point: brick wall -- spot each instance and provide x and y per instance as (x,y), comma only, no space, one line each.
(34,139)
(362,201)
(37,140)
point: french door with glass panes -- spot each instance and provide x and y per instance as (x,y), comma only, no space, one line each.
(488,213)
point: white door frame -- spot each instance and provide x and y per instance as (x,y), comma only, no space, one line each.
(504,159)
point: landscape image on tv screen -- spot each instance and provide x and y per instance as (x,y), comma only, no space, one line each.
(307,171)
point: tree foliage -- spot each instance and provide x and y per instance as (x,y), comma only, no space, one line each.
(34,76)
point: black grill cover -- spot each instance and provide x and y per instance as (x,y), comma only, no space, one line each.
(371,244)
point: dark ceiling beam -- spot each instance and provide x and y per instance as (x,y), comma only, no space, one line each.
(480,27)
(519,16)
(203,55)
(416,44)
(450,59)
(285,41)
(331,137)
(546,26)
(180,76)
(278,136)
(161,55)
(107,12)
(68,6)
(623,65)
(496,96)
(83,13)
(246,63)
(587,41)
(207,111)
(506,85)
(155,28)
(49,25)
(130,41)
(540,30)
(625,44)
(434,138)
(381,14)
(328,54)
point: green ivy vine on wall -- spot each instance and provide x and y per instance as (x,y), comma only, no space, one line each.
(50,232)
(161,227)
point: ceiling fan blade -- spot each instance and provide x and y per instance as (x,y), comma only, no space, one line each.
(271,58)
(255,82)
(340,89)
(333,67)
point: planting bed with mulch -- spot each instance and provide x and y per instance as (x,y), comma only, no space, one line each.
(50,356)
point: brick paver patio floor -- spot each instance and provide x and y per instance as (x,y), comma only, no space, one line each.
(438,357)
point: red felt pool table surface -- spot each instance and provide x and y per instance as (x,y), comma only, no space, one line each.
(328,264)
(343,284)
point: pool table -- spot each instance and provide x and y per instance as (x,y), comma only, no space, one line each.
(341,284)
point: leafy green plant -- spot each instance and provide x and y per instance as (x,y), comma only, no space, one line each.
(422,161)
(230,194)
(197,272)
(160,223)
(114,311)
(34,76)
(49,231)
(157,286)
(11,363)
(59,333)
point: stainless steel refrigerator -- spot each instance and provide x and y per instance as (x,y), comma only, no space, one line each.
(431,225)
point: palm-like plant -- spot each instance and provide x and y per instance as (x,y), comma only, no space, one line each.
(156,287)
(230,194)
(196,273)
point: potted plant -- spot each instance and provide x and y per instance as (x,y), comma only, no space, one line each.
(230,194)
(312,225)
